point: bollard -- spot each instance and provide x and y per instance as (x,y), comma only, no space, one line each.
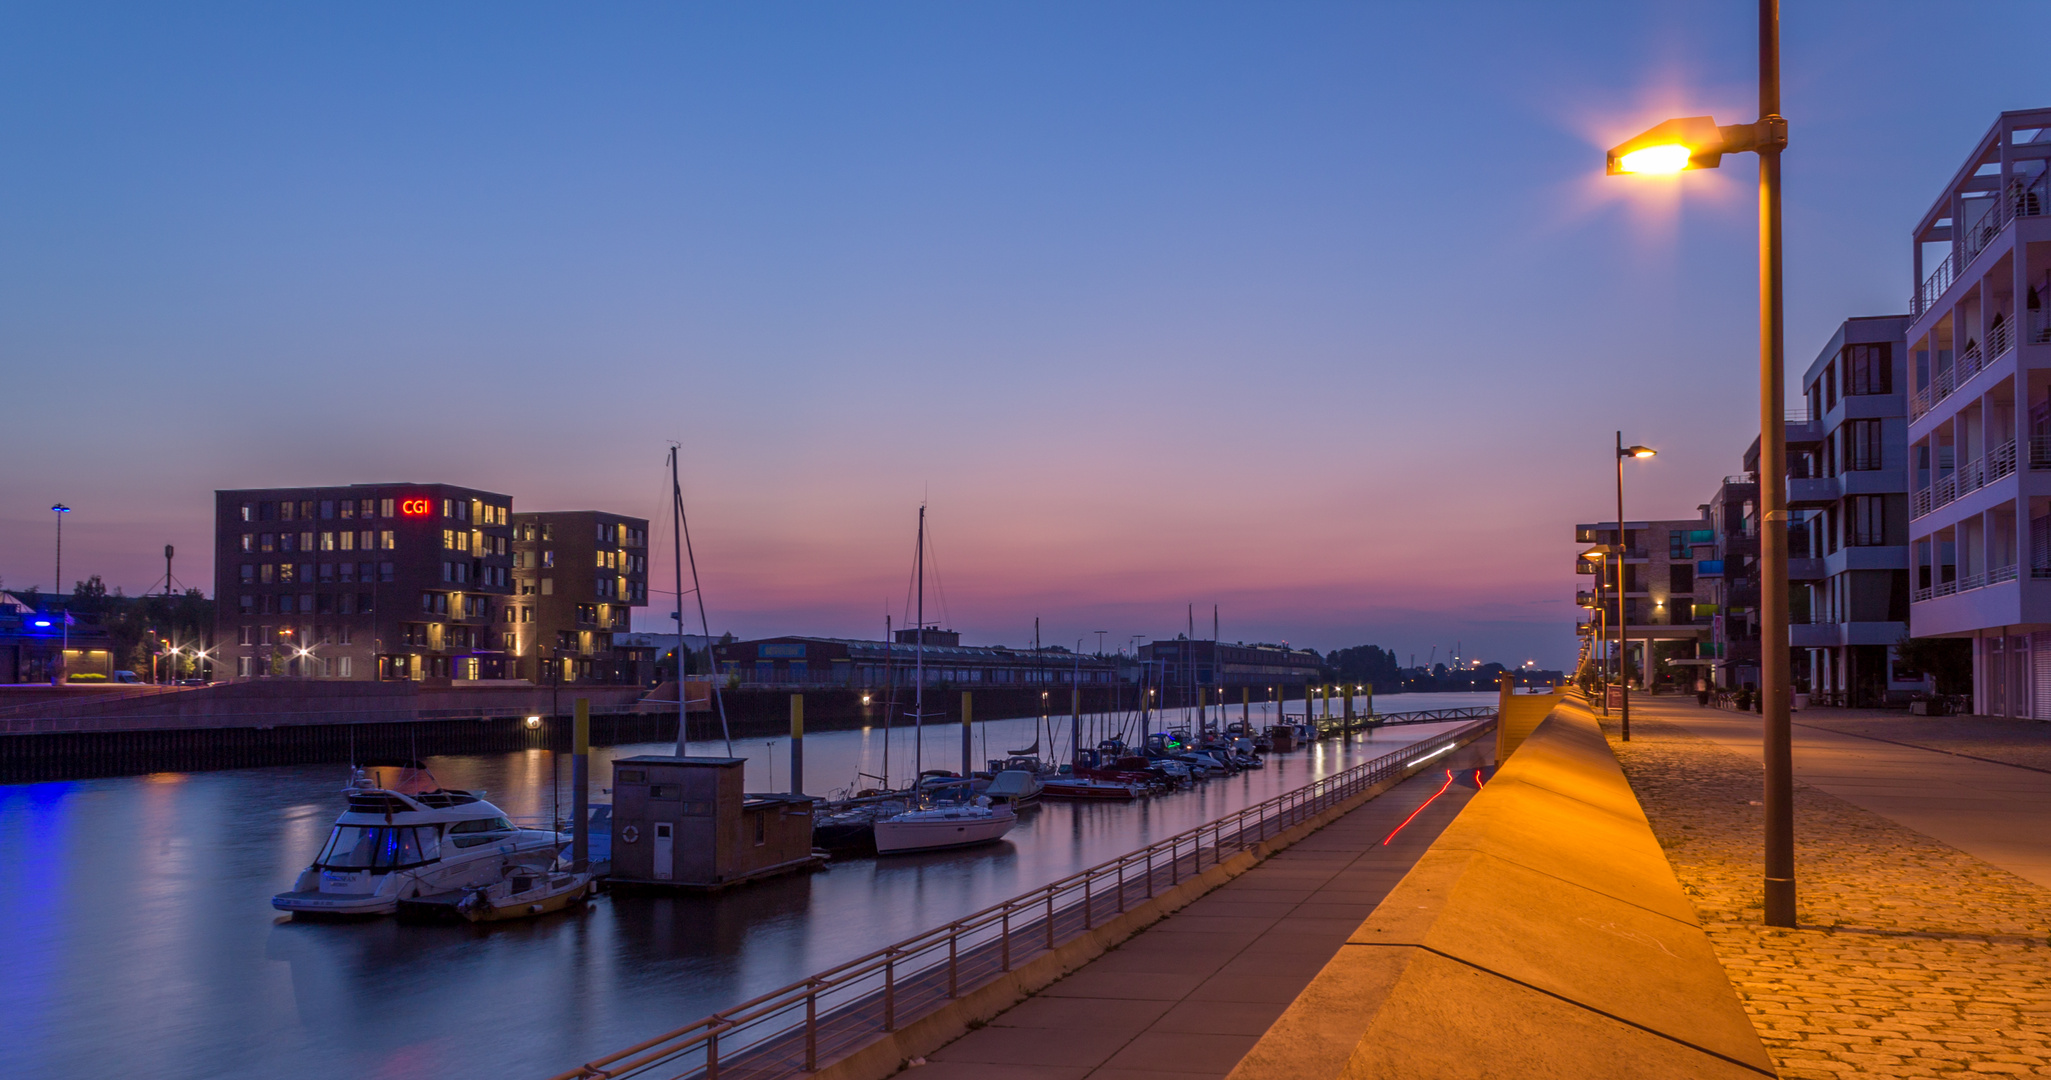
(797,744)
(1347,692)
(580,787)
(1246,707)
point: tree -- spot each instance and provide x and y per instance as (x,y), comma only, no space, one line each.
(1948,660)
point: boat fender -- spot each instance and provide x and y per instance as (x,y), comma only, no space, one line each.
(630,834)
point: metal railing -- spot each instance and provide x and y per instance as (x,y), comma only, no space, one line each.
(2001,461)
(1921,504)
(1922,595)
(2001,573)
(2040,452)
(2024,198)
(797,1028)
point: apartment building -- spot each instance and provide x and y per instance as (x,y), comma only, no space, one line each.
(1660,590)
(578,575)
(1979,408)
(363,581)
(1849,483)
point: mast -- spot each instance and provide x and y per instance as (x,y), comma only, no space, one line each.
(682,525)
(677,536)
(919,695)
(890,694)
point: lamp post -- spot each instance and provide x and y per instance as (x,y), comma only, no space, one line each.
(1623,662)
(1698,142)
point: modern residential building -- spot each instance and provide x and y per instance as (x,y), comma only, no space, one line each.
(861,664)
(1215,665)
(578,575)
(364,581)
(1849,482)
(1660,564)
(1979,407)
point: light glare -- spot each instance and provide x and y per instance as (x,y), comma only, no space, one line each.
(1655,159)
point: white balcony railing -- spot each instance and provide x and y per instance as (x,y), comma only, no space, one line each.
(1920,503)
(2001,461)
(1921,595)
(2025,197)
(2001,573)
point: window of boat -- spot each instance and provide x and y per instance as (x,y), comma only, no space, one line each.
(430,843)
(352,847)
(665,791)
(477,831)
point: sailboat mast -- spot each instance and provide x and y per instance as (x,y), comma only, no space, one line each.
(919,695)
(683,529)
(890,694)
(677,535)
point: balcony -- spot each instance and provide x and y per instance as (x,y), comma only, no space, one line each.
(1709,568)
(1970,582)
(1811,492)
(1974,475)
(1974,361)
(2021,200)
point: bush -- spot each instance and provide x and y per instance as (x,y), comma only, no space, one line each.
(89,676)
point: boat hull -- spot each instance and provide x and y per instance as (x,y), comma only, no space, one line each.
(901,837)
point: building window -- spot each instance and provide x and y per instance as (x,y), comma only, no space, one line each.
(1868,525)
(1862,445)
(548,586)
(345,667)
(547,531)
(327,573)
(327,541)
(388,540)
(245,635)
(1868,369)
(346,633)
(249,511)
(386,572)
(285,511)
(348,508)
(248,542)
(345,604)
(243,666)
(384,508)
(267,542)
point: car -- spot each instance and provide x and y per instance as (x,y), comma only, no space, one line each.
(125,676)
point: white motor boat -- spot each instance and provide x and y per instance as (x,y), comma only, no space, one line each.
(390,844)
(943,827)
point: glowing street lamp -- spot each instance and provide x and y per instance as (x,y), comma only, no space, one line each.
(1697,142)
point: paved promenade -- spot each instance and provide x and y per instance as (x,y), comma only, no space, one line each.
(1925,887)
(1189,996)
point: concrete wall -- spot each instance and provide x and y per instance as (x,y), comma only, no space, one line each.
(1543,935)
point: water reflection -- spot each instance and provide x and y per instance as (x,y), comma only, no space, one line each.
(135,916)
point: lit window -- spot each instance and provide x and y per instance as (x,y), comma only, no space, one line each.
(249,541)
(327,541)
(548,586)
(306,541)
(548,558)
(249,511)
(384,507)
(265,573)
(388,541)
(348,541)
(267,542)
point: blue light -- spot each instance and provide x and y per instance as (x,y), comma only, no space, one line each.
(42,622)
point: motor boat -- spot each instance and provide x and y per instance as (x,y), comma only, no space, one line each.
(1016,788)
(1083,788)
(940,827)
(412,839)
(851,825)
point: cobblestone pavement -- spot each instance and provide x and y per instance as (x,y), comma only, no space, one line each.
(1912,959)
(2026,743)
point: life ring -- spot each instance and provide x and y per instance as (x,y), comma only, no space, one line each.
(630,834)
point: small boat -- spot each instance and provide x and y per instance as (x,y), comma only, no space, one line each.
(943,827)
(851,825)
(524,893)
(1082,788)
(1016,788)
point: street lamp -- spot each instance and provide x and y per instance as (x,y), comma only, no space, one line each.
(1698,142)
(1623,653)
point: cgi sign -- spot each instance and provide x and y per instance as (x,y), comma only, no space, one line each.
(413,507)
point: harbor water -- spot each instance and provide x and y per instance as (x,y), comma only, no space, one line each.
(139,938)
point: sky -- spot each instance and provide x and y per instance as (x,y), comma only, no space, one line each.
(1320,313)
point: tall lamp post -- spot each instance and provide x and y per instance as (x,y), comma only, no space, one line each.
(57,591)
(1697,142)
(1623,654)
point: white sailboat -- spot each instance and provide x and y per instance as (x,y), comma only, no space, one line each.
(935,828)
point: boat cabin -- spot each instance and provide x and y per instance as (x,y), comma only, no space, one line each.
(685,822)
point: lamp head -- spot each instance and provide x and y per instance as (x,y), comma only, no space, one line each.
(1691,142)
(1637,452)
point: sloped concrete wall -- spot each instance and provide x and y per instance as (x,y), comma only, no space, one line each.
(1544,935)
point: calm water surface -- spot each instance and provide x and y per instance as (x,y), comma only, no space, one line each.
(139,939)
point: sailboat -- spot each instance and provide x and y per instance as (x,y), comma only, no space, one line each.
(933,828)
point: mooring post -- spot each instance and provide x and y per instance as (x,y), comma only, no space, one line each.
(580,787)
(797,744)
(968,711)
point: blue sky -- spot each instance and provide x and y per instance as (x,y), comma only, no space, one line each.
(1319,312)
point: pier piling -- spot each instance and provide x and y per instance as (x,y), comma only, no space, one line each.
(797,744)
(580,786)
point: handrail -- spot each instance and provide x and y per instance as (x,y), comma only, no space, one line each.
(793,1029)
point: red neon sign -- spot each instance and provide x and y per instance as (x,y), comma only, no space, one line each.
(413,507)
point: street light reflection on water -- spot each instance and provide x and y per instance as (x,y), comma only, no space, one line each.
(135,917)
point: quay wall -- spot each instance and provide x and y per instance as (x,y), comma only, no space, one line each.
(1543,935)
